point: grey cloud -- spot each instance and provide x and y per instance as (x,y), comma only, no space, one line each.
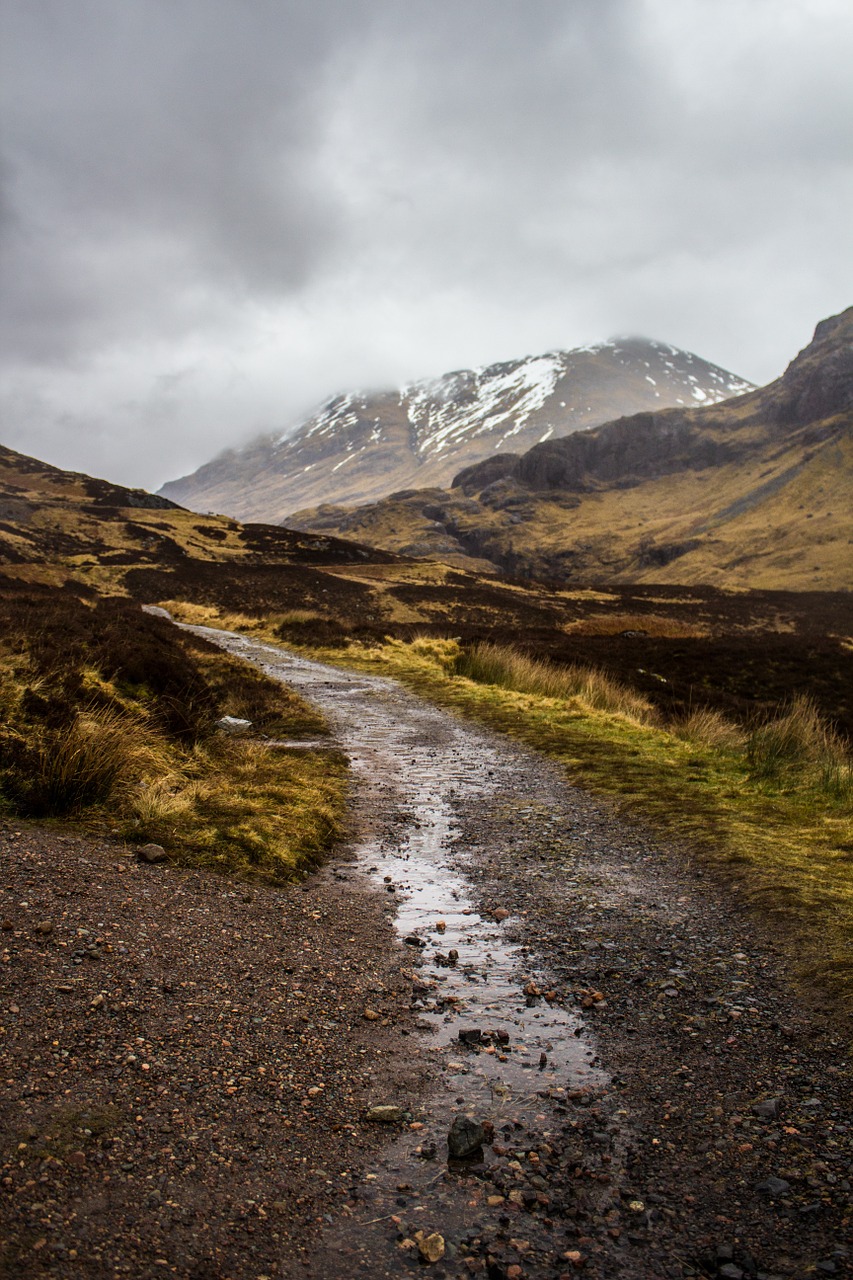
(217,211)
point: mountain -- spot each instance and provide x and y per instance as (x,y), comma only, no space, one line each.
(752,492)
(368,444)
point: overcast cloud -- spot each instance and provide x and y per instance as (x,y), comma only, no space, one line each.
(216,213)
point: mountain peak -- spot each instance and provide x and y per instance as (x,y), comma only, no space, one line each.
(362,445)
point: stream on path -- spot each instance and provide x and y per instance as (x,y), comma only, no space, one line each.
(506,1052)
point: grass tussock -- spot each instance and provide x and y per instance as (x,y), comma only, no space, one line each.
(508,668)
(800,744)
(709,728)
(57,770)
(109,719)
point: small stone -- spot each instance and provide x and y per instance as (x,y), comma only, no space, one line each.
(465,1138)
(233,724)
(500,914)
(385,1114)
(370,1015)
(430,1247)
(730,1271)
(412,940)
(440,926)
(773,1186)
(44,926)
(152,853)
(471,1035)
(532,990)
(97,1002)
(767,1108)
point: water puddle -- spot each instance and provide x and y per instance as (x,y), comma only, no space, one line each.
(508,1054)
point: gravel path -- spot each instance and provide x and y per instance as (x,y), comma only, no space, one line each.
(655,1098)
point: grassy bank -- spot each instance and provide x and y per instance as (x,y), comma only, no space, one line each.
(770,806)
(109,721)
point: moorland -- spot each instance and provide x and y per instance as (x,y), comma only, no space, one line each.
(715,713)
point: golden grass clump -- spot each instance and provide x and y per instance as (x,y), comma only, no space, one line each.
(710,728)
(508,668)
(64,769)
(800,744)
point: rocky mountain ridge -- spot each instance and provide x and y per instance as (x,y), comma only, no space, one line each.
(368,444)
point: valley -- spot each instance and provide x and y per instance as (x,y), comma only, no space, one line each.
(527,814)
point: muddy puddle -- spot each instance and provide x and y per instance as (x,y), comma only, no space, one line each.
(507,1054)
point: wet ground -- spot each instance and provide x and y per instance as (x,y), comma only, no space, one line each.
(539,933)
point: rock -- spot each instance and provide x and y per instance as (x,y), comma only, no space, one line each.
(471,1035)
(773,1186)
(370,1015)
(44,926)
(152,853)
(385,1114)
(500,914)
(233,724)
(767,1108)
(730,1271)
(440,926)
(465,1138)
(412,940)
(431,1247)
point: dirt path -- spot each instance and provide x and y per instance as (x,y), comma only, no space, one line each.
(697,1121)
(190,1070)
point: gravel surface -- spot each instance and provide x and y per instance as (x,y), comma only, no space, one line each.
(185,1062)
(724,1137)
(189,1065)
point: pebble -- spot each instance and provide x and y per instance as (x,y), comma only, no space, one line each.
(385,1113)
(465,1138)
(152,853)
(430,1247)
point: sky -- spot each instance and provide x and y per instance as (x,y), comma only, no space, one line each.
(215,214)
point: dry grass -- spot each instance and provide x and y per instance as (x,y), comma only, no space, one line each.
(508,668)
(649,624)
(241,806)
(800,746)
(70,767)
(108,720)
(709,728)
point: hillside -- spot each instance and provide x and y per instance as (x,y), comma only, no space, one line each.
(366,445)
(754,492)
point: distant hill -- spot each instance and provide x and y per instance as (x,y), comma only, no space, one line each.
(366,445)
(756,491)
